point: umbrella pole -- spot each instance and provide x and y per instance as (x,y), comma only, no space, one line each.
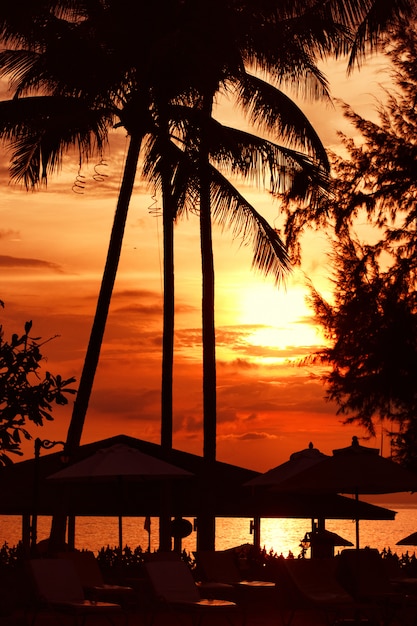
(121,501)
(256,529)
(357,522)
(147,527)
(165,544)
(120,533)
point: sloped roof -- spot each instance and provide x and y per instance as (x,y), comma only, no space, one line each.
(130,498)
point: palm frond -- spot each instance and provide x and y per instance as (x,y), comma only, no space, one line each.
(290,40)
(232,211)
(267,164)
(370,22)
(174,163)
(229,207)
(40,129)
(270,109)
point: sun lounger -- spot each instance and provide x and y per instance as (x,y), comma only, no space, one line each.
(363,574)
(92,581)
(220,567)
(162,555)
(398,577)
(57,589)
(215,574)
(218,573)
(173,588)
(312,585)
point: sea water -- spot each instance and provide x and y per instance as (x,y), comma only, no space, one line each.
(280,536)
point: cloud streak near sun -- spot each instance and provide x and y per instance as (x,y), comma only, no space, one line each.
(11,262)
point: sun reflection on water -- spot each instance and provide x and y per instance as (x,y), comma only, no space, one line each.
(279,535)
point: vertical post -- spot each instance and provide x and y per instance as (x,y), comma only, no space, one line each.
(255,528)
(71,532)
(147,526)
(34,525)
(357,520)
(165,543)
(47,445)
(178,536)
(26,528)
(120,524)
(120,488)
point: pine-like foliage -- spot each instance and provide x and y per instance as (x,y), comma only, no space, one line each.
(371,322)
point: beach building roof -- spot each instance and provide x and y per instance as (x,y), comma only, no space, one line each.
(102,498)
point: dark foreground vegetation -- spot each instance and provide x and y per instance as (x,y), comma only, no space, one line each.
(124,566)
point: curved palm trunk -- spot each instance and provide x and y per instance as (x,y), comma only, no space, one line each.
(57,536)
(103,303)
(206,521)
(168,213)
(168,312)
(208,323)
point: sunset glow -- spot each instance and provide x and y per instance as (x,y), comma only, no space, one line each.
(53,247)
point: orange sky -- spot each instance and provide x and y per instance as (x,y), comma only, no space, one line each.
(53,246)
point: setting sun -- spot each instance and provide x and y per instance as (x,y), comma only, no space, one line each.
(277,318)
(54,243)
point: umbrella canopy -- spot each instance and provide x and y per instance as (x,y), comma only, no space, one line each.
(298,462)
(327,537)
(120,461)
(292,477)
(311,506)
(124,464)
(322,542)
(410,540)
(354,470)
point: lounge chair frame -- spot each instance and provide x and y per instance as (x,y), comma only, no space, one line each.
(58,590)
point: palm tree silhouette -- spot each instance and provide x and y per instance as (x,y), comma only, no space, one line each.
(25,169)
(119,79)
